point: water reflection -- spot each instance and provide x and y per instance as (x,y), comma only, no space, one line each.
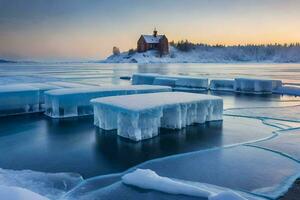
(128,153)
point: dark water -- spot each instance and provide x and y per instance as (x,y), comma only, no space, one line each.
(39,143)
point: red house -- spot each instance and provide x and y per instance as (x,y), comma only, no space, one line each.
(153,42)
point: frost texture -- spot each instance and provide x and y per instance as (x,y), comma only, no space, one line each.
(139,117)
(76,101)
(222,85)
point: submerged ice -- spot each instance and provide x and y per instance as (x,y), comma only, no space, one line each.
(139,117)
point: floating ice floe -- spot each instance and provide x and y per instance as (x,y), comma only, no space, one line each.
(289,90)
(76,101)
(249,85)
(222,85)
(139,117)
(16,99)
(148,179)
(173,80)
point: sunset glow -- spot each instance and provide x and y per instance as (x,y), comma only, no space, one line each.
(89,29)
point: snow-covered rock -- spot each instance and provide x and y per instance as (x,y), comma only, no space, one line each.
(222,85)
(250,85)
(148,179)
(139,117)
(72,102)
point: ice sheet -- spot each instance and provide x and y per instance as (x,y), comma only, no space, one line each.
(71,102)
(139,117)
(287,143)
(17,193)
(50,185)
(289,113)
(241,168)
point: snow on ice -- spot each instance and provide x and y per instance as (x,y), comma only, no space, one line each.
(148,179)
(71,102)
(139,117)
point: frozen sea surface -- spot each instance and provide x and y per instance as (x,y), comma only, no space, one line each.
(261,156)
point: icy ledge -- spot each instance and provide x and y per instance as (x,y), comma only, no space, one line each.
(139,117)
(148,179)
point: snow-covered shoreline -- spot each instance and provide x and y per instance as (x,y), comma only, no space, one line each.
(211,55)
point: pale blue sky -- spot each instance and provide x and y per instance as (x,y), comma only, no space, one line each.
(88,29)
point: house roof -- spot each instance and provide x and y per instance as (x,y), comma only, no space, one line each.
(151,39)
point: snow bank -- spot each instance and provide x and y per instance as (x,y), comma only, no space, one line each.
(148,179)
(205,54)
(139,117)
(222,85)
(16,99)
(17,193)
(171,80)
(71,102)
(248,85)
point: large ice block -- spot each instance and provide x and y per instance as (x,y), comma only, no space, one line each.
(71,102)
(222,85)
(180,81)
(139,117)
(248,85)
(16,99)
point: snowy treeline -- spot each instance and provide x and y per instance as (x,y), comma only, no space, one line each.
(185,51)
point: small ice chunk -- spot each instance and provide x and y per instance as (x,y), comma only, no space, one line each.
(222,85)
(148,179)
(143,79)
(17,193)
